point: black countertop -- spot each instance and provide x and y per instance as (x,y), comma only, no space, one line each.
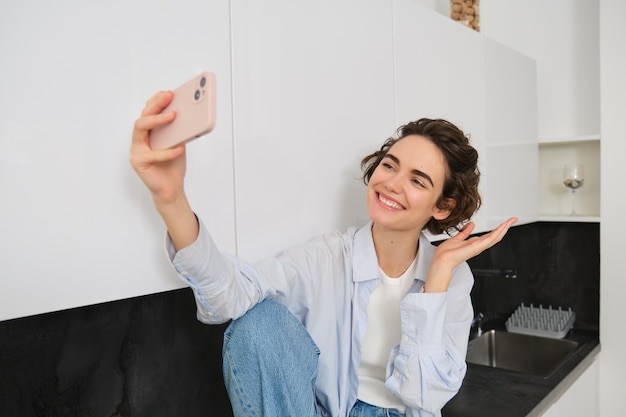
(490,392)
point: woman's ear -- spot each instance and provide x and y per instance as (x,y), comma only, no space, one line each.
(444,208)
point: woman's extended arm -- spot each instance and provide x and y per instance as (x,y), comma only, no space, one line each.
(163,172)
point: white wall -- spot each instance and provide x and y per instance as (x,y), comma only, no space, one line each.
(613,228)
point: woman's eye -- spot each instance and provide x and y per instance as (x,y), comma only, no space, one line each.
(386,165)
(418,182)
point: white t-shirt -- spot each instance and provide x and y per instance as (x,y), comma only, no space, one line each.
(382,334)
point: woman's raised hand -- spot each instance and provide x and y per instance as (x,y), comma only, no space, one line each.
(458,249)
(163,172)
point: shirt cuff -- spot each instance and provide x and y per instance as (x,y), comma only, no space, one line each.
(423,322)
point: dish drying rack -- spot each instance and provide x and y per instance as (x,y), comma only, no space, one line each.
(540,321)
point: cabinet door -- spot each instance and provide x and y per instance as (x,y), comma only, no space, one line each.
(581,399)
(313,94)
(77,224)
(440,74)
(512,171)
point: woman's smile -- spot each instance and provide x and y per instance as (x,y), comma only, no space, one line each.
(390,203)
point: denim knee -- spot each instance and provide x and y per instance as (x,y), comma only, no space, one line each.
(263,321)
(260,313)
(270,363)
(271,325)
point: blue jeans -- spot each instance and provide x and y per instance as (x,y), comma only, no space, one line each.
(362,409)
(270,366)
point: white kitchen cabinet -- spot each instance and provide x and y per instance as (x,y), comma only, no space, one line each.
(313,89)
(580,399)
(511,172)
(446,70)
(440,74)
(301,127)
(78,225)
(568,80)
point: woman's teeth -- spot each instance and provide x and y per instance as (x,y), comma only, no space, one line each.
(389,203)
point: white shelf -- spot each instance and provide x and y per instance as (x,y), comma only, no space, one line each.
(566,219)
(569,140)
(554,200)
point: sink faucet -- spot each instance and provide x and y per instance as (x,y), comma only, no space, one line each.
(498,273)
(476,328)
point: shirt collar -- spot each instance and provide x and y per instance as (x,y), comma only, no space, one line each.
(364,260)
(425,254)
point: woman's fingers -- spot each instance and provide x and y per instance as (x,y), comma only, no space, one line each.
(496,235)
(142,160)
(142,157)
(152,117)
(149,122)
(157,103)
(465,231)
(503,228)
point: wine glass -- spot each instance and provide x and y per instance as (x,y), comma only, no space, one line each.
(573,178)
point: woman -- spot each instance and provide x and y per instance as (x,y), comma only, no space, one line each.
(370,322)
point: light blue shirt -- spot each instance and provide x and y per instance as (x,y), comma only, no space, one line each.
(326,283)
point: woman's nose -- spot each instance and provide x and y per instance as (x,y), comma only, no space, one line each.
(391,184)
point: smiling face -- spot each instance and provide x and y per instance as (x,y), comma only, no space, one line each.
(404,189)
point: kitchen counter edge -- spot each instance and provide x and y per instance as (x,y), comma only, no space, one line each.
(565,384)
(491,392)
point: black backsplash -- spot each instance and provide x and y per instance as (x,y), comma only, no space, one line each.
(145,356)
(149,356)
(558,264)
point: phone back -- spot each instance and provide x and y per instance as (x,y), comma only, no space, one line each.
(194,104)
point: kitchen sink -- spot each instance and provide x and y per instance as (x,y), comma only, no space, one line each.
(519,352)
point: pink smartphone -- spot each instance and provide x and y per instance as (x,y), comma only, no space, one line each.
(194,104)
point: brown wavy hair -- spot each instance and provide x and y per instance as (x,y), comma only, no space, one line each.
(462,174)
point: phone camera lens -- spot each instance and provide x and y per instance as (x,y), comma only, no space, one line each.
(197,95)
(202,81)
